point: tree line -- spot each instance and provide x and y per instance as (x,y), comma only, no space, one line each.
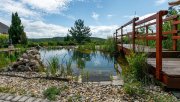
(79,33)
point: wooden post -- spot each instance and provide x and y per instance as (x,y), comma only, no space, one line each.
(122,37)
(146,35)
(175,27)
(158,45)
(133,34)
(116,38)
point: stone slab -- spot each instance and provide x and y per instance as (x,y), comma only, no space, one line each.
(31,99)
(37,100)
(16,98)
(23,99)
(9,98)
(4,96)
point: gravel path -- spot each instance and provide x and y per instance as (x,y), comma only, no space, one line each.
(78,92)
(89,92)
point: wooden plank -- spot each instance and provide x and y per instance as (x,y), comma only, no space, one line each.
(176,22)
(170,18)
(171,66)
(130,22)
(175,27)
(146,20)
(170,32)
(175,37)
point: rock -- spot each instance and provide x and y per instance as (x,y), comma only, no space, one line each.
(21,68)
(29,61)
(25,60)
(25,56)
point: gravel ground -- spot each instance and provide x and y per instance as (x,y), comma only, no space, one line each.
(85,92)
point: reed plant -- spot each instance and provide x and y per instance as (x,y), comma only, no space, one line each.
(108,46)
(53,65)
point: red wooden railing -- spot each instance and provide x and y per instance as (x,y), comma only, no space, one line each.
(159,36)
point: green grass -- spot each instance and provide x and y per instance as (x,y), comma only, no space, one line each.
(51,93)
(7,58)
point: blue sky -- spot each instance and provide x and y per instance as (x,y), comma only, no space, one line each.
(53,18)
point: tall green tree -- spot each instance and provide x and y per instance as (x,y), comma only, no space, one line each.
(16,30)
(80,32)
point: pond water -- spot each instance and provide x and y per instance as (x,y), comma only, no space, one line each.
(100,66)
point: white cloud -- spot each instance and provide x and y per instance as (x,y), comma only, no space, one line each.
(31,15)
(40,29)
(103,31)
(48,6)
(95,16)
(109,16)
(130,16)
(159,2)
(14,6)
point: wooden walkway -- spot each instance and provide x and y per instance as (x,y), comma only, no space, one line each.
(170,66)
(164,64)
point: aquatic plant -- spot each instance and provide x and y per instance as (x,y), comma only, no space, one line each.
(87,76)
(68,67)
(53,65)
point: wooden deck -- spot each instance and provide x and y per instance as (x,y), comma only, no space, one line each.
(170,63)
(164,63)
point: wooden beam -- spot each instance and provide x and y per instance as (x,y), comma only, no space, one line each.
(176,22)
(175,28)
(175,37)
(159,23)
(171,32)
(130,22)
(133,33)
(175,3)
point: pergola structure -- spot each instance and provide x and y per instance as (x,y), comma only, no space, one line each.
(174,3)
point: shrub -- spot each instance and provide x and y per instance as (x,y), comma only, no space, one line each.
(3,40)
(137,68)
(51,93)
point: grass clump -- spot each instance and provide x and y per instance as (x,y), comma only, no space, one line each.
(52,92)
(53,65)
(57,68)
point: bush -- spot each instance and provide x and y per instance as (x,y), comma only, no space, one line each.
(3,40)
(32,44)
(137,68)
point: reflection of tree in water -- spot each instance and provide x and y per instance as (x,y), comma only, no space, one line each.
(81,58)
(107,56)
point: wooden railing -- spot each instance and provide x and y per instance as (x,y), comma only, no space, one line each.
(158,36)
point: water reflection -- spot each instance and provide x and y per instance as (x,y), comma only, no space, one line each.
(100,65)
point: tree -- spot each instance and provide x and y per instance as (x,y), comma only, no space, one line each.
(67,38)
(23,38)
(80,32)
(16,30)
